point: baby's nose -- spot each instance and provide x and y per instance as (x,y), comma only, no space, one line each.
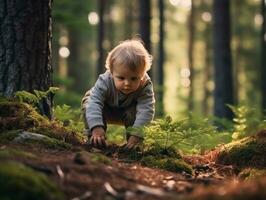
(126,82)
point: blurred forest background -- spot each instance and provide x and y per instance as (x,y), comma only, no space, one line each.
(182,37)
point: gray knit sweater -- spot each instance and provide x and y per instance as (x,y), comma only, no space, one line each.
(104,92)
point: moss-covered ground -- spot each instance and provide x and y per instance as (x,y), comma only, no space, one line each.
(19,182)
(247,152)
(21,116)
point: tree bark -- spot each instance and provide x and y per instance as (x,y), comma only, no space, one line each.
(100,67)
(191,27)
(207,71)
(263,59)
(160,78)
(145,24)
(25,47)
(223,93)
(128,19)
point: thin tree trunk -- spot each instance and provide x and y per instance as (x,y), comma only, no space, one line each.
(110,25)
(74,63)
(238,52)
(263,58)
(223,93)
(160,73)
(25,47)
(190,57)
(100,67)
(128,19)
(145,24)
(208,72)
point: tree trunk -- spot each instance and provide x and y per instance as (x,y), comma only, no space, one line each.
(160,72)
(190,57)
(128,19)
(100,67)
(145,24)
(74,64)
(263,59)
(110,26)
(25,47)
(223,93)
(207,72)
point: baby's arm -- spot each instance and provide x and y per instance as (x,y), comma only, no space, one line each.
(94,112)
(145,107)
(144,115)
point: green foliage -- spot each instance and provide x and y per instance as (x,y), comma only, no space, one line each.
(36,97)
(24,96)
(15,115)
(240,121)
(69,117)
(116,134)
(69,98)
(246,121)
(72,14)
(18,182)
(190,135)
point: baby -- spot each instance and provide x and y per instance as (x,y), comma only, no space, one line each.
(122,95)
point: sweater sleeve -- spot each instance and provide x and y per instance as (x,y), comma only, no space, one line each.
(145,109)
(95,103)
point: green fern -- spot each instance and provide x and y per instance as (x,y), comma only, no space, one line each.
(34,99)
(69,117)
(247,121)
(27,97)
(240,121)
(190,135)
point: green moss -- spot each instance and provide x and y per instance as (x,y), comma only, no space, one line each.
(15,115)
(18,116)
(85,157)
(247,152)
(12,153)
(252,173)
(168,163)
(9,135)
(47,142)
(163,153)
(97,157)
(18,182)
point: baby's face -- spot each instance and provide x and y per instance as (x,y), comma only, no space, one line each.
(127,80)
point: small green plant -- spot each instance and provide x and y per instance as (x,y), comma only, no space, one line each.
(69,117)
(240,121)
(190,135)
(36,97)
(246,121)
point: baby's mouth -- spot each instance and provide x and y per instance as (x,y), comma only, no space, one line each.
(126,90)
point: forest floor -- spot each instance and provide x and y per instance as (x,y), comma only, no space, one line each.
(81,175)
(40,159)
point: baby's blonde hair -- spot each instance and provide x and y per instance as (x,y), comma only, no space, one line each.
(130,53)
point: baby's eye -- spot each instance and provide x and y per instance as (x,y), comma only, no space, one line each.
(134,78)
(120,78)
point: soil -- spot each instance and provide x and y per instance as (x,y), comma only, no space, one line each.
(83,178)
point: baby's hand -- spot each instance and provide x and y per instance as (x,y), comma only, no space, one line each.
(98,137)
(133,142)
